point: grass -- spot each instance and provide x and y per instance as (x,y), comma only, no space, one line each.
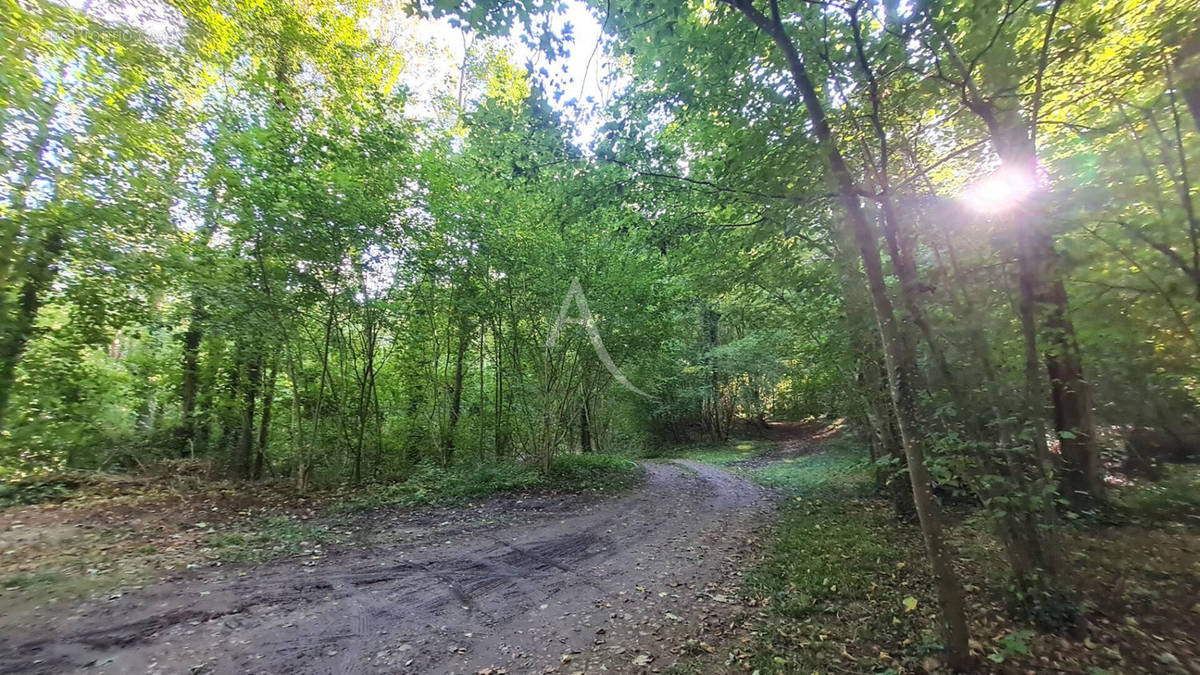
(721,454)
(841,471)
(278,535)
(844,586)
(841,581)
(272,536)
(592,473)
(32,580)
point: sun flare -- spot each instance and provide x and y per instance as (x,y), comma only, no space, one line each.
(999,191)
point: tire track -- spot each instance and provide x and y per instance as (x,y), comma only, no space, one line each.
(519,596)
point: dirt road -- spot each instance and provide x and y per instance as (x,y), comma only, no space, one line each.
(561,585)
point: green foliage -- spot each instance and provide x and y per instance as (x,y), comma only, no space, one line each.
(432,484)
(34,491)
(1014,643)
(262,235)
(1174,497)
(822,561)
(590,472)
(35,579)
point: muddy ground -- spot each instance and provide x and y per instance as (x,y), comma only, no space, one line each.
(564,584)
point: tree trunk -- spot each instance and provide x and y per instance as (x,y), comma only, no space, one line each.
(900,250)
(900,242)
(189,386)
(585,431)
(41,272)
(1040,270)
(264,425)
(245,445)
(873,376)
(1013,138)
(712,412)
(1069,393)
(901,372)
(456,393)
(366,391)
(1187,68)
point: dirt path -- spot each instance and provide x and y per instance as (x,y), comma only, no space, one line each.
(614,583)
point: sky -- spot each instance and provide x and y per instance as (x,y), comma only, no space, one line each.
(435,51)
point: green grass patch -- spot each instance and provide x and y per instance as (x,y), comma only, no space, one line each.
(822,556)
(269,537)
(845,587)
(32,580)
(839,470)
(722,454)
(273,536)
(844,581)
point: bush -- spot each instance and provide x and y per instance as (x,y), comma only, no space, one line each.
(433,484)
(1175,497)
(55,488)
(592,472)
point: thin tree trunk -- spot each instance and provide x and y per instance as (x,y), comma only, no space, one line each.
(264,425)
(900,243)
(365,392)
(189,386)
(245,445)
(481,412)
(456,393)
(304,466)
(190,383)
(1040,269)
(904,264)
(711,415)
(501,437)
(585,431)
(873,374)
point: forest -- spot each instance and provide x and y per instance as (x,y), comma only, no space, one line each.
(922,277)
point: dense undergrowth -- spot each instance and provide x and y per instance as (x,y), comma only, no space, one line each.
(844,587)
(429,484)
(432,484)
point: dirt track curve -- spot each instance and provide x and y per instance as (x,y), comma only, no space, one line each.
(568,585)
